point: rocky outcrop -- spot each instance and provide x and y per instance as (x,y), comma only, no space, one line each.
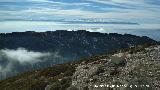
(122,71)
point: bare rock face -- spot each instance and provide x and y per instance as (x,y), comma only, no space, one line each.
(122,71)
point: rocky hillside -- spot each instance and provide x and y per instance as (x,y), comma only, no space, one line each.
(122,71)
(136,68)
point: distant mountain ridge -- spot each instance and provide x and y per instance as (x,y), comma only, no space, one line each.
(67,46)
(52,40)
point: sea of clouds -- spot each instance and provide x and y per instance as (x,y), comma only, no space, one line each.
(13,60)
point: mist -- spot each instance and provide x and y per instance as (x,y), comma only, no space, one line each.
(23,56)
(13,61)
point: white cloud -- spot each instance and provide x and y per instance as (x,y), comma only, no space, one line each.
(125,14)
(22,55)
(13,61)
(136,11)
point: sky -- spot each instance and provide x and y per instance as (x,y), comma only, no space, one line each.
(102,15)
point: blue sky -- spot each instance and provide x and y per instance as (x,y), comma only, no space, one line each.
(75,14)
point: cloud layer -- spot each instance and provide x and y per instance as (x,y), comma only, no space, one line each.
(129,10)
(144,12)
(23,56)
(13,61)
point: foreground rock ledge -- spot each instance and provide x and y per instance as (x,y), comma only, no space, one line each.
(122,71)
